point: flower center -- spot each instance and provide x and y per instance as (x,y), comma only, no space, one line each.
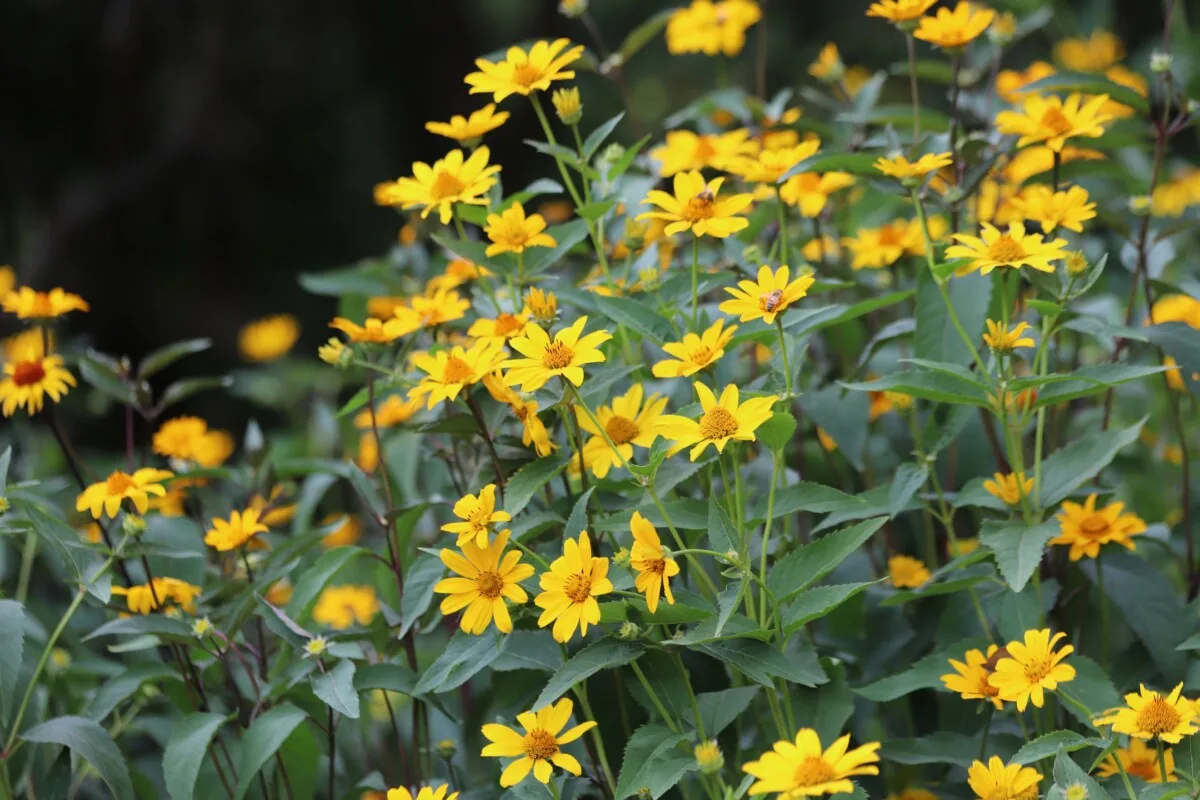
(718,423)
(1054,120)
(507,323)
(699,207)
(1094,526)
(890,236)
(41,306)
(445,185)
(1146,770)
(490,584)
(480,517)
(27,373)
(526,74)
(1158,717)
(813,771)
(118,482)
(557,356)
(521,412)
(456,371)
(655,565)
(621,429)
(540,744)
(1006,250)
(577,587)
(701,356)
(1036,670)
(704,151)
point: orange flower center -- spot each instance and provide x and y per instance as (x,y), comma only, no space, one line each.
(456,371)
(656,565)
(699,207)
(490,584)
(621,430)
(1006,250)
(507,324)
(704,151)
(27,373)
(557,356)
(1158,716)
(1054,120)
(701,355)
(1094,526)
(577,587)
(526,74)
(41,306)
(118,483)
(1144,769)
(718,423)
(540,744)
(890,236)
(480,517)
(813,771)
(984,688)
(1037,669)
(521,412)
(445,185)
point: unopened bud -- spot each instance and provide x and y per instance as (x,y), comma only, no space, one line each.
(1160,62)
(1076,791)
(446,749)
(567,105)
(621,557)
(133,525)
(629,631)
(709,758)
(573,8)
(1140,204)
(202,627)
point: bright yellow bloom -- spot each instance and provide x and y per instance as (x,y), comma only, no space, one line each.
(627,422)
(106,496)
(709,757)
(426,793)
(1051,121)
(1009,488)
(279,593)
(769,166)
(902,169)
(951,30)
(875,248)
(164,592)
(29,304)
(695,207)
(487,576)
(567,105)
(523,73)
(1032,161)
(442,306)
(272,509)
(695,353)
(1147,714)
(1031,667)
(448,372)
(545,358)
(1086,528)
(544,305)
(1176,308)
(377,331)
(457,272)
(539,747)
(970,680)
(504,327)
(463,129)
(452,179)
(1069,208)
(347,532)
(1139,760)
(828,67)
(1096,53)
(479,514)
(570,588)
(1014,249)
(1000,781)
(685,151)
(268,338)
(189,439)
(511,231)
(906,572)
(367,456)
(1011,82)
(27,345)
(768,296)
(339,607)
(899,10)
(810,191)
(711,27)
(793,770)
(654,567)
(883,402)
(27,383)
(231,534)
(1005,340)
(720,422)
(391,412)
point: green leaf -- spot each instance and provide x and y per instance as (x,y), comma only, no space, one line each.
(942,747)
(592,143)
(940,387)
(138,626)
(90,742)
(335,687)
(1190,643)
(1018,547)
(185,752)
(1091,380)
(529,650)
(594,211)
(5,461)
(1077,463)
(936,338)
(473,251)
(370,278)
(540,259)
(314,579)
(422,576)
(528,481)
(854,163)
(805,496)
(1092,687)
(655,760)
(577,522)
(392,677)
(112,692)
(1046,308)
(622,164)
(643,34)
(179,391)
(806,565)
(103,377)
(722,534)
(908,481)
(1049,744)
(718,710)
(843,415)
(463,657)
(1180,341)
(728,602)
(762,663)
(1068,773)
(777,431)
(817,602)
(12,633)
(605,654)
(636,316)
(925,674)
(1089,83)
(264,737)
(163,357)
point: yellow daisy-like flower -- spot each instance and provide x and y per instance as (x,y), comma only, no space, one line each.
(570,588)
(166,593)
(906,572)
(695,207)
(273,509)
(1176,308)
(225,535)
(176,438)
(1139,760)
(1086,528)
(1009,488)
(899,10)
(828,67)
(1010,82)
(539,747)
(695,353)
(1147,714)
(1031,668)
(478,513)
(106,496)
(970,680)
(810,191)
(523,73)
(655,568)
(448,372)
(464,129)
(452,179)
(457,272)
(394,410)
(768,296)
(28,345)
(279,593)
(565,355)
(504,327)
(684,151)
(876,248)
(348,531)
(27,383)
(1051,121)
(487,576)
(769,166)
(425,793)
(722,421)
(1051,209)
(1016,249)
(999,781)
(902,169)
(711,28)
(27,303)
(339,607)
(375,331)
(268,338)
(1005,340)
(437,308)
(1096,53)
(511,231)
(802,769)
(951,30)
(627,422)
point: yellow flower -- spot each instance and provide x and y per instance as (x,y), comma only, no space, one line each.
(331,351)
(1096,53)
(272,509)
(1076,263)
(1147,714)
(711,28)
(1176,308)
(570,588)
(29,304)
(883,402)
(1139,760)
(951,30)
(348,531)
(213,449)
(1031,667)
(442,306)
(828,67)
(107,495)
(391,412)
(970,680)
(627,422)
(695,353)
(1000,781)
(709,757)
(457,272)
(1037,160)
(1085,528)
(721,421)
(27,383)
(367,456)
(769,166)
(28,345)
(511,231)
(1123,76)
(504,327)
(231,534)
(487,576)
(906,572)
(539,747)
(171,503)
(875,248)
(1004,340)
(8,280)
(268,338)
(544,305)
(523,73)
(899,10)
(279,593)
(684,151)
(565,355)
(1069,208)
(823,250)
(768,296)
(164,592)
(479,514)
(655,569)
(189,439)
(374,330)
(339,607)
(448,372)
(452,179)
(567,105)
(964,546)
(695,207)
(426,793)
(1009,488)
(1014,249)
(802,769)
(826,441)
(1011,82)
(902,169)
(526,411)
(1051,121)
(463,129)
(810,191)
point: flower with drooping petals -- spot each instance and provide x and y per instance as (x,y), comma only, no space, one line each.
(1009,488)
(655,568)
(464,129)
(1005,340)
(106,496)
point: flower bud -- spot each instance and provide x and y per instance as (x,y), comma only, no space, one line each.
(1140,205)
(709,758)
(1160,62)
(573,8)
(133,525)
(621,557)
(1076,791)
(202,627)
(315,647)
(1003,28)
(60,660)
(335,352)
(1076,263)
(446,749)
(567,105)
(629,631)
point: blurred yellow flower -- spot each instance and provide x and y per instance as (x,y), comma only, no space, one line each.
(567,105)
(1126,77)
(951,30)
(1004,340)
(1139,760)
(425,793)
(377,331)
(711,27)
(339,607)
(1086,528)
(1068,209)
(279,593)
(485,576)
(564,356)
(1011,82)
(1096,53)
(1009,487)
(331,351)
(999,781)
(106,496)
(654,567)
(685,151)
(769,166)
(828,67)
(694,353)
(348,531)
(970,679)
(452,179)
(1015,249)
(899,10)
(803,769)
(539,747)
(695,207)
(570,588)
(393,410)
(768,296)
(457,272)
(8,280)
(906,572)
(166,593)
(27,303)
(810,191)
(901,168)
(1051,121)
(511,231)
(544,305)
(268,338)
(722,421)
(225,535)
(504,327)
(448,372)
(524,72)
(464,129)
(27,383)
(273,509)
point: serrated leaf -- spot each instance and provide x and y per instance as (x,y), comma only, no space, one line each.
(926,384)
(925,674)
(806,565)
(936,338)
(90,742)
(1074,465)
(261,741)
(463,657)
(1068,773)
(908,481)
(721,532)
(605,654)
(12,633)
(112,692)
(335,688)
(186,750)
(654,760)
(577,522)
(528,481)
(817,602)
(1018,547)
(762,663)
(540,259)
(718,710)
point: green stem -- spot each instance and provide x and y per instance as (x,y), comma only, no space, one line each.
(28,556)
(1162,760)
(696,284)
(581,693)
(987,727)
(1041,364)
(1103,609)
(912,82)
(553,786)
(762,569)
(787,370)
(783,231)
(691,694)
(662,711)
